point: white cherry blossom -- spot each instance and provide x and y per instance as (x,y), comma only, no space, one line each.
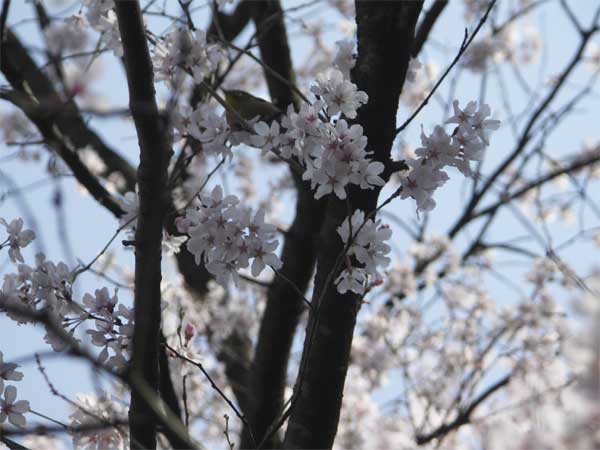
(226,237)
(13,410)
(339,94)
(344,59)
(8,372)
(367,241)
(18,238)
(267,138)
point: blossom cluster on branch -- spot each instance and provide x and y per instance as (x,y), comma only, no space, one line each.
(226,236)
(47,288)
(465,144)
(366,243)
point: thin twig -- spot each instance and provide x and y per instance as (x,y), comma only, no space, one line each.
(216,388)
(463,47)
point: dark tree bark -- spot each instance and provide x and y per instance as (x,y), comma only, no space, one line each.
(268,374)
(152,182)
(53,110)
(385,37)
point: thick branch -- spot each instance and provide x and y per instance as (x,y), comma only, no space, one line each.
(229,26)
(268,373)
(426,25)
(385,36)
(152,180)
(274,50)
(278,326)
(25,76)
(62,147)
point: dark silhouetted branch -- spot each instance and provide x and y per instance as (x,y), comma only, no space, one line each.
(385,35)
(155,153)
(426,25)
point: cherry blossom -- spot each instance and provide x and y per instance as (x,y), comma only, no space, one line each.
(17,238)
(8,372)
(367,243)
(339,94)
(226,236)
(432,324)
(266,137)
(420,183)
(102,18)
(101,303)
(181,50)
(68,35)
(13,410)
(171,245)
(333,156)
(439,150)
(211,129)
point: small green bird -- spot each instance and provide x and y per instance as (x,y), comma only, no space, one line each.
(248,107)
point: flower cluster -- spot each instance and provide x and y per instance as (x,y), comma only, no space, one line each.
(210,128)
(226,236)
(339,94)
(10,409)
(440,149)
(367,246)
(333,155)
(114,327)
(48,288)
(184,51)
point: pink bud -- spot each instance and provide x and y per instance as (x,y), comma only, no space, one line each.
(76,89)
(189,332)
